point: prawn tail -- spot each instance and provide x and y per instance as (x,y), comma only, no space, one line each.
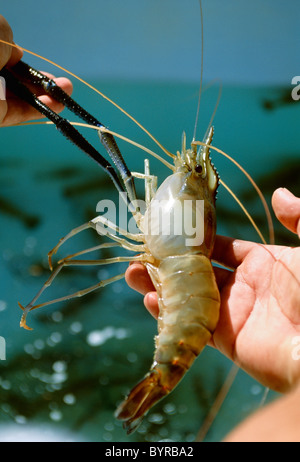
(189,303)
(159,381)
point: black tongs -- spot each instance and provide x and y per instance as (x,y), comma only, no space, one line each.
(16,78)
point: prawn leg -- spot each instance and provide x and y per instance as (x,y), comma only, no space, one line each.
(80,293)
(150,182)
(72,233)
(97,224)
(120,243)
(67,262)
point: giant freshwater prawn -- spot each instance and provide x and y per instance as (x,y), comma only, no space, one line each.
(179,264)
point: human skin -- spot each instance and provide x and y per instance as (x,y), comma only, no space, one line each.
(259,318)
(13,110)
(276,422)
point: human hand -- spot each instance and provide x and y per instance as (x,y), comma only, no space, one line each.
(260,300)
(13,110)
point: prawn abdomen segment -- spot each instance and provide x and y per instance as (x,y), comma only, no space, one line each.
(189,304)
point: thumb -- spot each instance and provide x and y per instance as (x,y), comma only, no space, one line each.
(287,209)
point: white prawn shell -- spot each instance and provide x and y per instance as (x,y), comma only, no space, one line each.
(179,265)
(188,295)
(174,223)
(189,303)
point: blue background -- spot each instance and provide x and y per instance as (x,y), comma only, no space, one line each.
(146,55)
(248,42)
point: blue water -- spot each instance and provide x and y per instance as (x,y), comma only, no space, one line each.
(82,357)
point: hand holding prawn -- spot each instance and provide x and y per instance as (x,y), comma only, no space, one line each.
(244,333)
(173,355)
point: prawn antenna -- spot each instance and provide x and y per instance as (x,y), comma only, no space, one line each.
(168,153)
(215,111)
(201,74)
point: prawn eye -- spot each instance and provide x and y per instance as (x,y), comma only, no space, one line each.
(198,168)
